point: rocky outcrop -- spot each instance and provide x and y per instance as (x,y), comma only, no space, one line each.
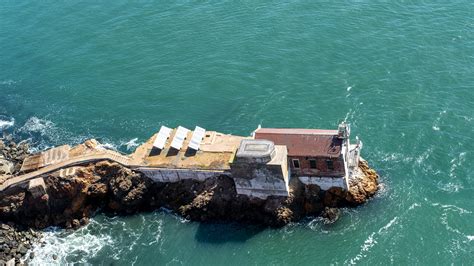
(68,200)
(12,155)
(363,185)
(15,242)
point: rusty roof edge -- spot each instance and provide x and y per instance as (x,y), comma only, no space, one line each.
(297,131)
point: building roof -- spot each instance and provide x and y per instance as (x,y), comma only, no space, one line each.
(304,142)
(215,151)
(255,148)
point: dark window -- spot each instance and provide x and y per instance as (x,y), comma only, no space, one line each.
(312,163)
(296,163)
(330,164)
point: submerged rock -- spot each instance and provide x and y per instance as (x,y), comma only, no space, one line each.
(331,215)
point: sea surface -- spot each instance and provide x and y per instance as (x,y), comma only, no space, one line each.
(400,73)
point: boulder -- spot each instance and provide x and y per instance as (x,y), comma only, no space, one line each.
(6,167)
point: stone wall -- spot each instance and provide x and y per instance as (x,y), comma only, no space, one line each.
(325,183)
(175,175)
(264,181)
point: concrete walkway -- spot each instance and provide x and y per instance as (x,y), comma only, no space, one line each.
(100,156)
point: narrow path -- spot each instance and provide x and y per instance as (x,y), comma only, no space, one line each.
(105,155)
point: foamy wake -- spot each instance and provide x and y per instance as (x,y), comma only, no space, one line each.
(130,144)
(447,216)
(111,236)
(107,146)
(62,244)
(37,125)
(371,241)
(4,124)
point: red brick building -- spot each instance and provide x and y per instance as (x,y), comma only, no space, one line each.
(311,152)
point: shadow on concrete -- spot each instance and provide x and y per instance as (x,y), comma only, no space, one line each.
(190,152)
(155,151)
(172,152)
(217,233)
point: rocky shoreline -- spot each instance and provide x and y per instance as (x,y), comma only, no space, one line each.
(15,241)
(11,157)
(69,201)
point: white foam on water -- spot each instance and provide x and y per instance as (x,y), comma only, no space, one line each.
(45,134)
(130,144)
(387,226)
(450,187)
(371,241)
(451,207)
(37,125)
(62,244)
(470,238)
(395,157)
(455,163)
(7,82)
(4,124)
(107,146)
(424,156)
(437,120)
(414,205)
(366,246)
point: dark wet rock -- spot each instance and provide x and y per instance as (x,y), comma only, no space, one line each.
(331,215)
(115,189)
(109,187)
(16,241)
(12,155)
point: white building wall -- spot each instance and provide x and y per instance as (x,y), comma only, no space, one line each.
(324,183)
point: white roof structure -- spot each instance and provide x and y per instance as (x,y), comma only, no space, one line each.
(197,137)
(179,137)
(162,137)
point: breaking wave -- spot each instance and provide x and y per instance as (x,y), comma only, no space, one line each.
(60,246)
(130,144)
(37,125)
(6,122)
(112,237)
(108,146)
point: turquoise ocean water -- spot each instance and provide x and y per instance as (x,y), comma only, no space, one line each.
(401,73)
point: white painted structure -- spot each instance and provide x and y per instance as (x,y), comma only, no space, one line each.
(324,183)
(197,137)
(179,137)
(174,175)
(162,137)
(350,154)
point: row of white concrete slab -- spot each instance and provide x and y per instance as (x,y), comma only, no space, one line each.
(178,139)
